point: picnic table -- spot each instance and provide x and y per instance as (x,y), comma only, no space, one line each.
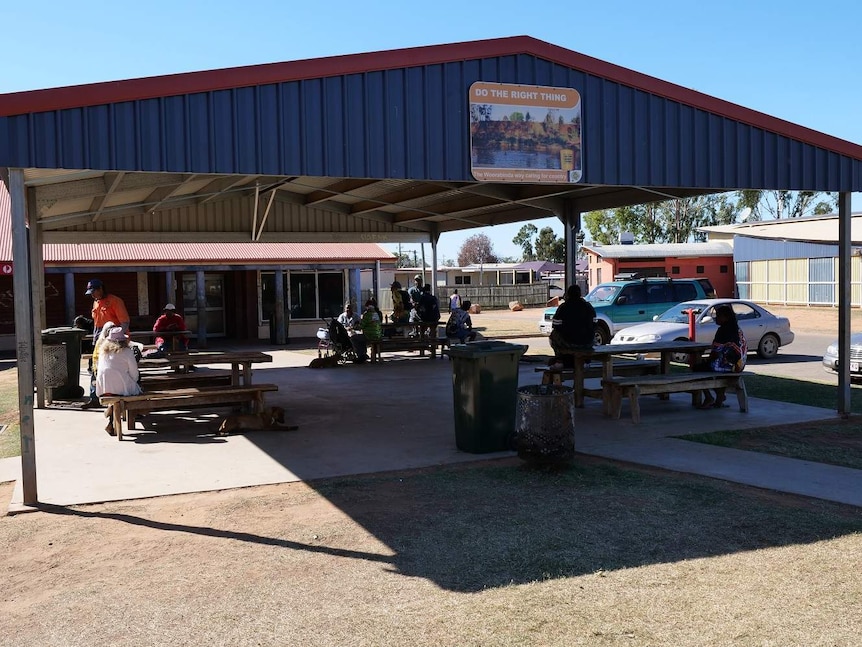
(606,352)
(240,361)
(416,335)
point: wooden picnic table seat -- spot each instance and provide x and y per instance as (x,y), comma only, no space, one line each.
(621,367)
(635,386)
(424,338)
(165,381)
(128,407)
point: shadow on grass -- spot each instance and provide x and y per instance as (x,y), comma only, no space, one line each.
(482,526)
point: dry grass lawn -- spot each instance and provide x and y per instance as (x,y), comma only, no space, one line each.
(485,554)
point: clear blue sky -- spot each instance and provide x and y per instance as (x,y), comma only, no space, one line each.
(796,60)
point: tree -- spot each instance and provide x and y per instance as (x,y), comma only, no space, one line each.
(671,221)
(476,250)
(785,204)
(403,260)
(524,240)
(549,247)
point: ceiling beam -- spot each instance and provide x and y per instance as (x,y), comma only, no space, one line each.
(341,187)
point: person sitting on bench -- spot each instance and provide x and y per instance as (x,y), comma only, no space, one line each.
(573,327)
(728,353)
(117,371)
(460,324)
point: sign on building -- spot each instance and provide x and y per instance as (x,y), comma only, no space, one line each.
(525,133)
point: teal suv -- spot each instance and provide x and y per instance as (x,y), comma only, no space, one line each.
(619,304)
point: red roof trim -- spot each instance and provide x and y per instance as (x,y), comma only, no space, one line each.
(207,81)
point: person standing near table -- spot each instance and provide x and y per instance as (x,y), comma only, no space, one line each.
(454,301)
(106,307)
(170,321)
(573,326)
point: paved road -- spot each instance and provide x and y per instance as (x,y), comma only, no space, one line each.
(801,359)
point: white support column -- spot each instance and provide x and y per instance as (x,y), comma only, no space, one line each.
(376,282)
(844,276)
(21,282)
(354,283)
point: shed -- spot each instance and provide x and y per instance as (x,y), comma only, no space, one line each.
(381,147)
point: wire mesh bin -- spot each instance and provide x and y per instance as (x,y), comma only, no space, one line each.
(545,429)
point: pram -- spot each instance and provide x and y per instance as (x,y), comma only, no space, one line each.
(334,340)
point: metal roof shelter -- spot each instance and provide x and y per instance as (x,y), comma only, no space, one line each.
(374,148)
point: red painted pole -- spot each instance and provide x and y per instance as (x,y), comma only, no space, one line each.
(691,335)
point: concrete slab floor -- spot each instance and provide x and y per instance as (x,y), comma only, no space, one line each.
(357,419)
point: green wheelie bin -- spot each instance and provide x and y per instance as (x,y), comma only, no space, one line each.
(485,385)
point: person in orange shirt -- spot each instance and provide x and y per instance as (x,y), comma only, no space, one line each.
(106,307)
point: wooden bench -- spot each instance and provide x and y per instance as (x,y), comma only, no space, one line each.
(424,338)
(694,383)
(128,407)
(171,381)
(621,367)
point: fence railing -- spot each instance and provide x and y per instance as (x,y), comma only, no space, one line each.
(489,297)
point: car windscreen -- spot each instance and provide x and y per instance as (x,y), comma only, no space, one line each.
(602,293)
(676,314)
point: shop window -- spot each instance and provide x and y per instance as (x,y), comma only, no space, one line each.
(307,295)
(723,269)
(674,269)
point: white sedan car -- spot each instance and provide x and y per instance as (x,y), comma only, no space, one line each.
(763,331)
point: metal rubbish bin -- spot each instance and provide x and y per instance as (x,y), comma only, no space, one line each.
(546,423)
(61,361)
(484,383)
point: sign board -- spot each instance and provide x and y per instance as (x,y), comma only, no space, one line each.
(525,133)
(6,269)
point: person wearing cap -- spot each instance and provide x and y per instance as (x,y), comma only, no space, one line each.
(106,307)
(353,325)
(170,321)
(117,370)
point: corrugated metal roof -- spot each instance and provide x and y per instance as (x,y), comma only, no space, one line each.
(818,229)
(359,64)
(662,250)
(403,115)
(812,228)
(214,253)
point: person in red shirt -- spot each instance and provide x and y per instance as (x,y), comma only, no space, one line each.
(106,307)
(170,321)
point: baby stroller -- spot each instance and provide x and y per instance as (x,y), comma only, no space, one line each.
(334,340)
